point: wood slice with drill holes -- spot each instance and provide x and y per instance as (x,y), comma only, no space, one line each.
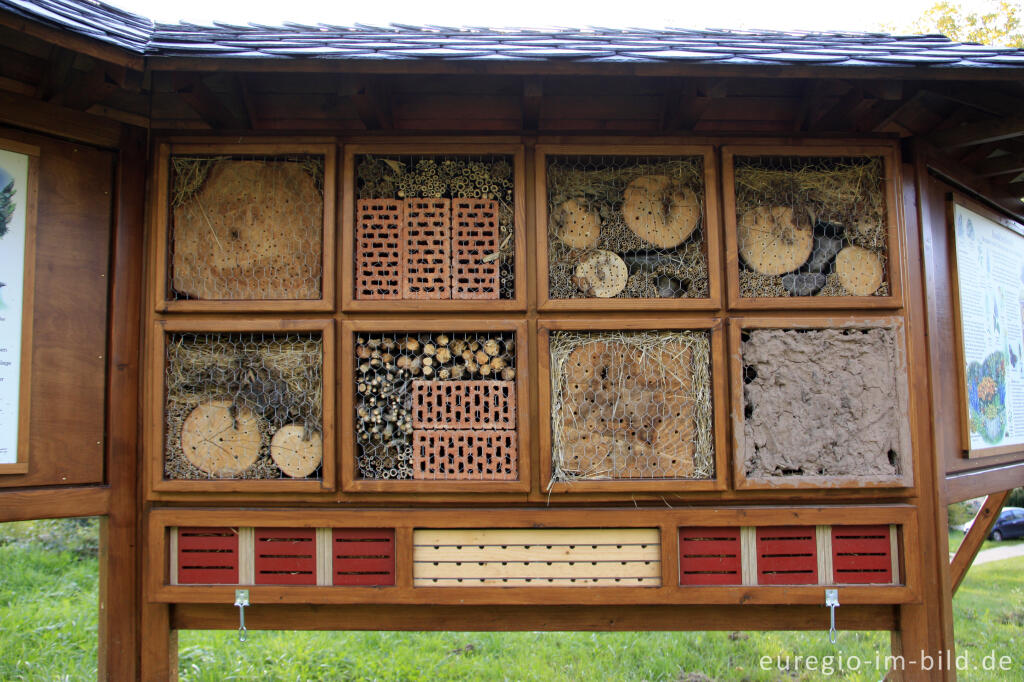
(660,212)
(601,274)
(218,443)
(254,231)
(774,240)
(295,456)
(859,270)
(576,225)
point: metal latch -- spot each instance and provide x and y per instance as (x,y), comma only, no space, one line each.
(241,601)
(832,603)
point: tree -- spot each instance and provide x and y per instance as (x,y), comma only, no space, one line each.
(7,206)
(990,23)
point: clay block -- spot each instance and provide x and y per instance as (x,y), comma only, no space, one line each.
(861,554)
(379,248)
(285,556)
(709,556)
(428,247)
(464,455)
(463,404)
(207,556)
(787,555)
(475,243)
(363,556)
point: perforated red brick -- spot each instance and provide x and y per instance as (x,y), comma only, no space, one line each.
(379,248)
(861,554)
(363,556)
(475,243)
(463,404)
(285,556)
(787,555)
(428,248)
(464,455)
(710,556)
(207,556)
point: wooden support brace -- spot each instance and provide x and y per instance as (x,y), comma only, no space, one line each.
(205,102)
(978,133)
(980,529)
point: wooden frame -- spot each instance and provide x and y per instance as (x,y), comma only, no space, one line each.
(162,218)
(895,266)
(428,147)
(711,227)
(404,521)
(153,435)
(805,322)
(20,465)
(952,201)
(350,481)
(719,388)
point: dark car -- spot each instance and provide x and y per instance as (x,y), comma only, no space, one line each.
(1009,525)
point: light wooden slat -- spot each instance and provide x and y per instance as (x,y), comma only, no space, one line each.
(823,539)
(539,569)
(246,556)
(536,536)
(650,552)
(324,560)
(894,552)
(748,554)
(547,582)
(173,555)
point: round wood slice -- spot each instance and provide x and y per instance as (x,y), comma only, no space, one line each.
(218,445)
(601,274)
(575,225)
(294,456)
(859,270)
(773,241)
(660,213)
(253,231)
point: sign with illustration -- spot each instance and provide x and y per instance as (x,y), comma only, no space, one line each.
(990,282)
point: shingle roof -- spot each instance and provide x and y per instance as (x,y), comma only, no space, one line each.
(592,45)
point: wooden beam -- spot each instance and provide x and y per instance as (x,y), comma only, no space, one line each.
(982,526)
(72,41)
(684,107)
(1000,165)
(958,174)
(372,101)
(533,95)
(29,113)
(90,88)
(978,133)
(53,503)
(205,102)
(840,115)
(57,75)
(809,102)
(985,99)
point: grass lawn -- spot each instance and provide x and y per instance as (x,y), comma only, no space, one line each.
(48,620)
(956,537)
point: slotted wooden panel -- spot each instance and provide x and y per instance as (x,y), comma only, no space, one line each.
(363,556)
(710,556)
(207,556)
(285,556)
(861,554)
(787,555)
(573,557)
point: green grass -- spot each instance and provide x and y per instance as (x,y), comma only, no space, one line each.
(956,537)
(48,621)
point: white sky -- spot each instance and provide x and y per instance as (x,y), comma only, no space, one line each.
(850,15)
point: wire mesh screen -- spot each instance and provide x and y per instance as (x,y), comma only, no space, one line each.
(631,405)
(811,226)
(435,405)
(626,227)
(434,226)
(824,402)
(246,227)
(243,405)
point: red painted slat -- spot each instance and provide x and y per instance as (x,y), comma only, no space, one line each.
(861,554)
(355,562)
(285,556)
(787,555)
(207,556)
(709,556)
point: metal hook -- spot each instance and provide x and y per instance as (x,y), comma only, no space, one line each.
(241,601)
(832,602)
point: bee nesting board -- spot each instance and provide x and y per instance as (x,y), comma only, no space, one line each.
(564,557)
(380,248)
(464,454)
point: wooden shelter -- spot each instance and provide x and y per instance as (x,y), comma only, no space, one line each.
(434,328)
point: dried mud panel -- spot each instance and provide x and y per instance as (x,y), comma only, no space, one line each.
(469,252)
(626,227)
(631,405)
(243,406)
(436,405)
(811,226)
(824,403)
(246,228)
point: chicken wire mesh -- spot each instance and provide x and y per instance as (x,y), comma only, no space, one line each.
(626,227)
(631,405)
(480,241)
(245,227)
(392,366)
(243,406)
(811,226)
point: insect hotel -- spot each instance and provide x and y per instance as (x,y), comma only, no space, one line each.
(429,328)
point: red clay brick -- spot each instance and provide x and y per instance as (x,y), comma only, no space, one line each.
(464,455)
(428,248)
(463,404)
(379,248)
(475,237)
